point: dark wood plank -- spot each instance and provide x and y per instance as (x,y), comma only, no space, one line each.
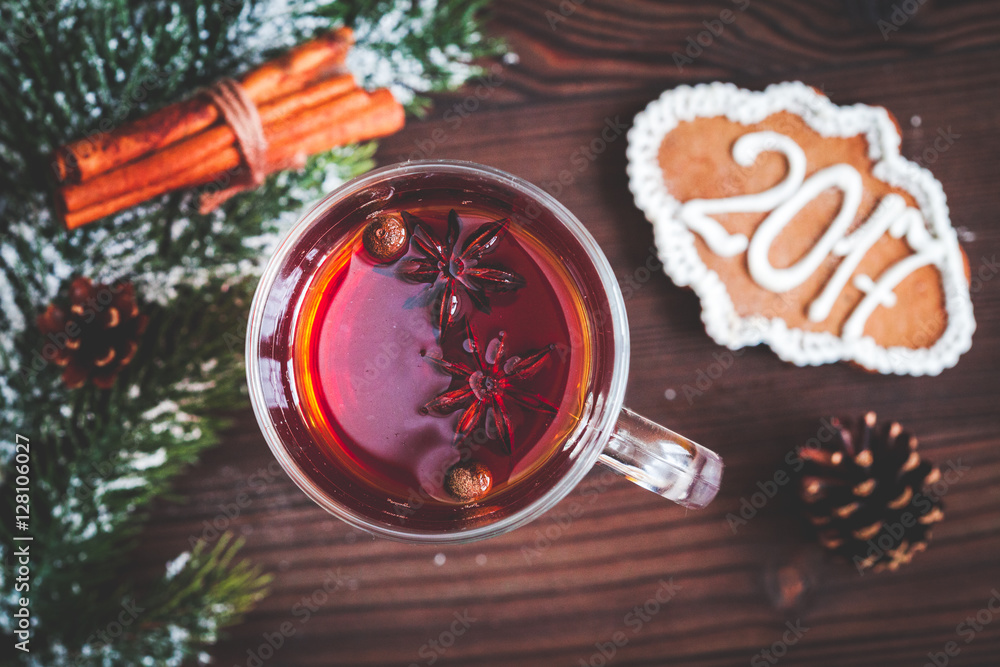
(609,46)
(549,593)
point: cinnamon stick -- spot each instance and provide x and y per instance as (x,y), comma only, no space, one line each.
(183,155)
(383,116)
(205,171)
(342,123)
(313,96)
(317,59)
(89,157)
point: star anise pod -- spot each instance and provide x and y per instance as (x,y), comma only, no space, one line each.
(487,386)
(457,271)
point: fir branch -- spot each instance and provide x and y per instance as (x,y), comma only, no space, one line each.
(100,457)
(415,47)
(107,458)
(202,592)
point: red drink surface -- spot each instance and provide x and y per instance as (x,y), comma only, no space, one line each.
(343,350)
(361,376)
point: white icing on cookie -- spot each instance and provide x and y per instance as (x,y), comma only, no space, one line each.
(853,249)
(695,212)
(842,176)
(784,201)
(927,231)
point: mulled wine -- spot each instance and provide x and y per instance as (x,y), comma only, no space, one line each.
(439,344)
(404,375)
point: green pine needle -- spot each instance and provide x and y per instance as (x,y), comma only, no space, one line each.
(98,457)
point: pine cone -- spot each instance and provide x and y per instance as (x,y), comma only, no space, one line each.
(866,490)
(95,334)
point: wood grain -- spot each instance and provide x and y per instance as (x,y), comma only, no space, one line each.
(549,593)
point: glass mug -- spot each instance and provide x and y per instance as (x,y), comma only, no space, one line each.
(298,356)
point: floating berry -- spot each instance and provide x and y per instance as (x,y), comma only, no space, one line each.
(468,481)
(385,238)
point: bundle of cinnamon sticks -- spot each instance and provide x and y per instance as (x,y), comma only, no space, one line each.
(306,102)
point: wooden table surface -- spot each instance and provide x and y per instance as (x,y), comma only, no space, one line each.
(557,591)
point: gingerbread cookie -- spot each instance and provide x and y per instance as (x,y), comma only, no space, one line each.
(799,225)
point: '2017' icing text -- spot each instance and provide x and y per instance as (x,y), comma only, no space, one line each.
(783,201)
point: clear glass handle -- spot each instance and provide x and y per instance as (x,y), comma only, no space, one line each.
(662,461)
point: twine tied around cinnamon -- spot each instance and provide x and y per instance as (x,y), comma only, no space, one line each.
(240,113)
